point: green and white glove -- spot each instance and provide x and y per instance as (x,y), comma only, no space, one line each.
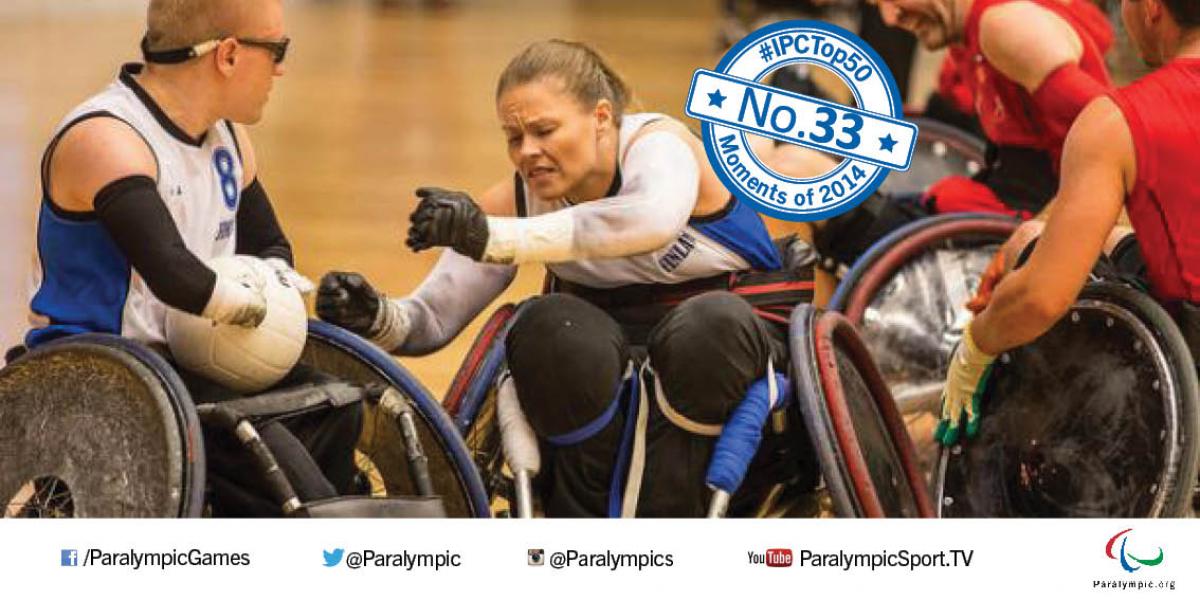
(966,379)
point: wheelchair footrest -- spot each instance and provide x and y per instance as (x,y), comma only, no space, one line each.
(364,507)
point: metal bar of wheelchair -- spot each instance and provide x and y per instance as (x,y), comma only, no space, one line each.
(228,419)
(397,407)
(520,445)
(740,438)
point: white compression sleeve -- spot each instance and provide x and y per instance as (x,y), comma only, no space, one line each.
(661,181)
(452,294)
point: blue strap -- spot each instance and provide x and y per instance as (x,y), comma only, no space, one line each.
(742,434)
(616,491)
(587,431)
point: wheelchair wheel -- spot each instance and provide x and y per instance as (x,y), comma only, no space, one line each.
(942,150)
(455,477)
(866,456)
(98,426)
(1096,418)
(471,401)
(907,296)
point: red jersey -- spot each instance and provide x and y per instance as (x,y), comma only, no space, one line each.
(1005,109)
(952,82)
(1164,207)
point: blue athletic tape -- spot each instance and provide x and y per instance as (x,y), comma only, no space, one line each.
(583,433)
(742,433)
(616,491)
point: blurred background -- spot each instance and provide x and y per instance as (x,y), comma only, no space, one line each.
(379,97)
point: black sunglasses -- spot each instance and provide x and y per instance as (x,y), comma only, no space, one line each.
(277,48)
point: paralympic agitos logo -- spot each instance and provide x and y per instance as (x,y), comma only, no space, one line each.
(1125,556)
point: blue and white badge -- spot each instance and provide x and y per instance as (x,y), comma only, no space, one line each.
(872,138)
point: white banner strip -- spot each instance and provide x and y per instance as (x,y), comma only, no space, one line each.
(976,559)
(790,117)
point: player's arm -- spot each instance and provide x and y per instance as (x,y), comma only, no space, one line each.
(258,230)
(1098,168)
(661,176)
(101,167)
(454,293)
(1041,51)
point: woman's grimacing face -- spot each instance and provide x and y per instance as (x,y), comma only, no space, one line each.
(553,139)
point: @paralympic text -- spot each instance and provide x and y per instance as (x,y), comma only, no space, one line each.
(405,560)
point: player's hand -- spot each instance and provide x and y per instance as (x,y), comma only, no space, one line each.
(1003,262)
(348,301)
(446,218)
(987,283)
(966,379)
(290,276)
(234,302)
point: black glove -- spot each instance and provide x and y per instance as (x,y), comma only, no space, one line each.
(348,301)
(445,218)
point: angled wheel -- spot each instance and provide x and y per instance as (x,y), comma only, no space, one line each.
(907,297)
(98,426)
(455,476)
(1096,418)
(866,456)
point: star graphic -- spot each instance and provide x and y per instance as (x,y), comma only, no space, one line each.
(887,143)
(716,98)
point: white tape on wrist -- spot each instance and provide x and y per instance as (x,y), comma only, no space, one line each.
(232,302)
(391,325)
(292,276)
(547,238)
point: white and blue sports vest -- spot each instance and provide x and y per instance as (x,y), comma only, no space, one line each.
(80,281)
(733,239)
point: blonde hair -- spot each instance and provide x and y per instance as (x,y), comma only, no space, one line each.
(587,76)
(174,24)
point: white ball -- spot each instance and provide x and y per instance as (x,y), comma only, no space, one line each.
(242,358)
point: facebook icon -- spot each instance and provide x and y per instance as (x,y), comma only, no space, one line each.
(70,558)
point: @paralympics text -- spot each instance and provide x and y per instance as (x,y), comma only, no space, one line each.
(403,560)
(903,559)
(611,560)
(132,559)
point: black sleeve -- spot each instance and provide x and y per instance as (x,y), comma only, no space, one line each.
(133,213)
(258,231)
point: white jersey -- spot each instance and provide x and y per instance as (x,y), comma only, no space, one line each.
(734,239)
(81,281)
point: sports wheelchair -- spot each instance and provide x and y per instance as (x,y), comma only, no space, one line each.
(95,425)
(1098,417)
(833,404)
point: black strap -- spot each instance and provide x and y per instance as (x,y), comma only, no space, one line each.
(166,57)
(519,186)
(297,400)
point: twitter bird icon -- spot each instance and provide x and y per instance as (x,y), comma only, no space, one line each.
(333,557)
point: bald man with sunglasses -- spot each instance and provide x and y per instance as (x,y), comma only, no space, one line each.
(152,177)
